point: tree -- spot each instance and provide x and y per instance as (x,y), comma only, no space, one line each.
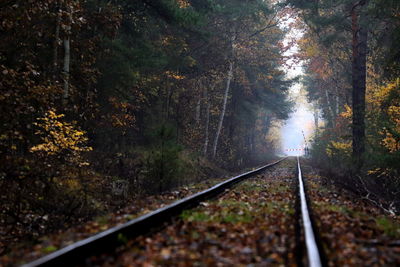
(323,17)
(359,71)
(204,75)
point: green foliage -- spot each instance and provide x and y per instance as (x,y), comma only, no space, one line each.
(230,212)
(164,166)
(332,153)
(195,216)
(122,238)
(327,45)
(391,228)
(136,105)
(49,249)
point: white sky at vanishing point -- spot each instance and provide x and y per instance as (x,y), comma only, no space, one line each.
(301,119)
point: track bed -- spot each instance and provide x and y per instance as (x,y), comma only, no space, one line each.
(253,223)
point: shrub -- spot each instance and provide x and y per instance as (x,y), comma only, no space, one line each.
(164,166)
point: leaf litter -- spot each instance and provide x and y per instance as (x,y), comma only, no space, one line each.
(250,225)
(353,231)
(28,250)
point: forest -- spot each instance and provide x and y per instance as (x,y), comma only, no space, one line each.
(154,95)
(352,80)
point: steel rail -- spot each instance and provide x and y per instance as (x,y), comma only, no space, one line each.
(313,253)
(113,237)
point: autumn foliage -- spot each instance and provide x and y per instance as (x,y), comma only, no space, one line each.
(95,92)
(332,80)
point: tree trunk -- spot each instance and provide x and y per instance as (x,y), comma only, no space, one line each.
(66,69)
(56,40)
(252,136)
(169,95)
(222,115)
(198,88)
(198,109)
(316,120)
(331,116)
(337,104)
(167,103)
(360,37)
(67,59)
(206,138)
(228,84)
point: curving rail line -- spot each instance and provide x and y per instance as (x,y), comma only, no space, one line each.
(111,238)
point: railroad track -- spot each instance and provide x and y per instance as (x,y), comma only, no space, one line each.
(306,229)
(307,248)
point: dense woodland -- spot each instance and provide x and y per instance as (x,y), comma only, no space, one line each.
(351,63)
(162,93)
(154,93)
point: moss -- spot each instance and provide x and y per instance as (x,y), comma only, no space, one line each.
(280,206)
(388,226)
(122,238)
(195,216)
(290,211)
(279,188)
(333,207)
(250,187)
(102,220)
(230,211)
(235,218)
(49,249)
(195,235)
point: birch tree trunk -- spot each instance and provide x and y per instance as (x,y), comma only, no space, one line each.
(66,69)
(67,59)
(206,138)
(228,84)
(56,39)
(222,115)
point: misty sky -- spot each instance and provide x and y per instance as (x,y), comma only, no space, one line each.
(302,118)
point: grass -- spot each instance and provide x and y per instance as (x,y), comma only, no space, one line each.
(102,220)
(389,227)
(250,187)
(49,249)
(195,216)
(334,208)
(279,188)
(281,206)
(230,211)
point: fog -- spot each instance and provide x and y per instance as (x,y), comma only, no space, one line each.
(297,130)
(300,121)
